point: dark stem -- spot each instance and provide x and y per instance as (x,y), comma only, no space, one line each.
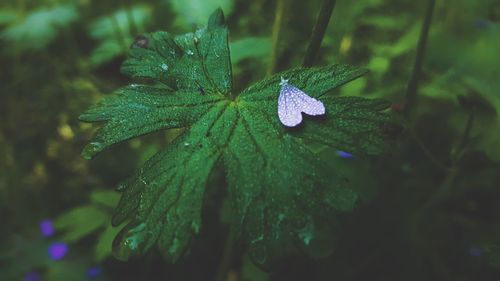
(411,90)
(278,20)
(318,32)
(227,257)
(426,151)
(465,137)
(417,224)
(456,156)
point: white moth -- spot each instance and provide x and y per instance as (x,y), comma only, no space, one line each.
(292,101)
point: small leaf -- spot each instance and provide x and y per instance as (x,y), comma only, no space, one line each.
(105,198)
(103,247)
(80,222)
(40,27)
(187,62)
(113,31)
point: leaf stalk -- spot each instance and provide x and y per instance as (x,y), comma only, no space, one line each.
(278,22)
(412,88)
(318,32)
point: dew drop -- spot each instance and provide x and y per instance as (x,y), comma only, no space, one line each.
(164,67)
(130,241)
(189,53)
(91,149)
(121,187)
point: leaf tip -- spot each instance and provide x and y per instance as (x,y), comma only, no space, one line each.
(92,149)
(216,19)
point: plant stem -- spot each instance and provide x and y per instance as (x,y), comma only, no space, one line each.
(318,32)
(427,152)
(412,88)
(278,21)
(465,137)
(445,188)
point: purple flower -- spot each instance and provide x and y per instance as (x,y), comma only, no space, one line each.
(94,272)
(32,276)
(58,250)
(47,228)
(482,24)
(343,154)
(475,251)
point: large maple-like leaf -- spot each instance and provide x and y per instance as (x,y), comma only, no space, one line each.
(276,185)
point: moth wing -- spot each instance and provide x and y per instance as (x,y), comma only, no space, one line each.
(307,104)
(289,111)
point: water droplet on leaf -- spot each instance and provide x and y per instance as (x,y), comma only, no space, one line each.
(130,241)
(91,149)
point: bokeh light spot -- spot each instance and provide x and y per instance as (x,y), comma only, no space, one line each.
(32,276)
(94,272)
(47,228)
(58,250)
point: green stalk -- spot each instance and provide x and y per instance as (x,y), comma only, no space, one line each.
(412,88)
(278,21)
(318,32)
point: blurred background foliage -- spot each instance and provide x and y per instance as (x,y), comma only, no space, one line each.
(428,211)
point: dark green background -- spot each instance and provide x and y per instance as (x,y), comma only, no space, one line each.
(427,211)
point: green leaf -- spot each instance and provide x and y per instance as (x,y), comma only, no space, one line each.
(197,11)
(7,16)
(103,247)
(354,125)
(278,188)
(104,197)
(384,22)
(250,48)
(40,27)
(80,222)
(66,270)
(113,31)
(187,62)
